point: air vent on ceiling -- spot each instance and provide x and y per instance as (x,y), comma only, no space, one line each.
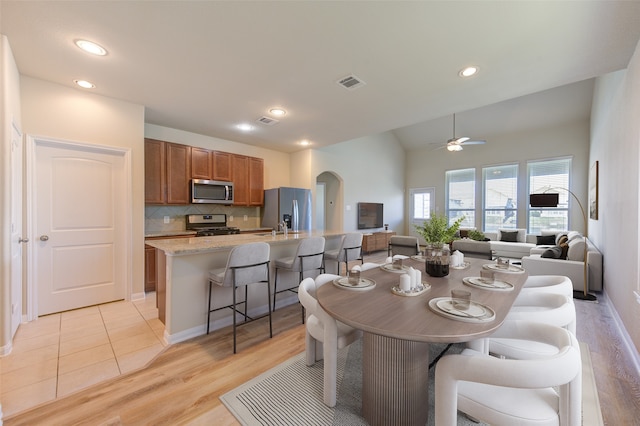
(267,121)
(351,82)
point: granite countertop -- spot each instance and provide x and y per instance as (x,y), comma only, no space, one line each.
(195,245)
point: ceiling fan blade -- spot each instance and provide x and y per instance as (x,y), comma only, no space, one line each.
(476,142)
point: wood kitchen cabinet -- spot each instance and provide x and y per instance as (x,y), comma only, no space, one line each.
(256,181)
(150,277)
(201,163)
(240,178)
(248,180)
(155,172)
(167,172)
(376,241)
(222,166)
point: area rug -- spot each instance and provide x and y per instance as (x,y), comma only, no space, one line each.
(291,393)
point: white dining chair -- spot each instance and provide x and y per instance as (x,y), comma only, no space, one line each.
(538,307)
(543,391)
(324,334)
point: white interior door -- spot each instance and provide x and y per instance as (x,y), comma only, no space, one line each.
(16,228)
(80,226)
(421,204)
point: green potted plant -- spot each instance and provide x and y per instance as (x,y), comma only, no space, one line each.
(476,235)
(437,234)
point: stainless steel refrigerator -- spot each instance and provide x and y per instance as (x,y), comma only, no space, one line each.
(291,205)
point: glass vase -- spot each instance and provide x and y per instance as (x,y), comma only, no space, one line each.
(437,259)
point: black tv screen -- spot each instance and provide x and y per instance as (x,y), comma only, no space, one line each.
(370,215)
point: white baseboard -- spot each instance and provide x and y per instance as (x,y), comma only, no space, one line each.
(6,349)
(138,296)
(626,339)
(222,322)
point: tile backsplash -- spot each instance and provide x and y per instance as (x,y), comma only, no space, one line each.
(154,216)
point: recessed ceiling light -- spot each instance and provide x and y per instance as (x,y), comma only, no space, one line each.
(245,127)
(278,112)
(91,47)
(85,84)
(304,142)
(468,71)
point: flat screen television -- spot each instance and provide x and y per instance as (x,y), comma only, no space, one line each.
(370,215)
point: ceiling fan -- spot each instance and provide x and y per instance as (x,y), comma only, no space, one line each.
(455,144)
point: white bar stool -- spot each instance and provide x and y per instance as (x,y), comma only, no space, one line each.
(247,264)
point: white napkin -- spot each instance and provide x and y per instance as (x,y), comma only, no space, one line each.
(356,268)
(400,256)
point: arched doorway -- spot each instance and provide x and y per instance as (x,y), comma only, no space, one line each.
(328,207)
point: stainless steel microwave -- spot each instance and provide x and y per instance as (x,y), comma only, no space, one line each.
(211,191)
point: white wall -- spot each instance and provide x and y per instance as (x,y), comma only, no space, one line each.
(371,169)
(60,112)
(615,141)
(427,167)
(9,111)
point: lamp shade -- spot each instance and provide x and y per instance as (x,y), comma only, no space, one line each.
(543,200)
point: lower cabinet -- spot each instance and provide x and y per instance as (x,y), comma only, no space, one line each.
(150,276)
(376,241)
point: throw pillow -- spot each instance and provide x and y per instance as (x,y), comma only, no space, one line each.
(509,236)
(552,253)
(545,240)
(563,240)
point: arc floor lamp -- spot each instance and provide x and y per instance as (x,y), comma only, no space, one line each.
(550,199)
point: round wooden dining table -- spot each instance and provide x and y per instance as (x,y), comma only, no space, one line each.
(397,332)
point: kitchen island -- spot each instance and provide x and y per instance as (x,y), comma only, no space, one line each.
(183,267)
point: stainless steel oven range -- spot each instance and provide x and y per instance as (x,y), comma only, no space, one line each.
(207,225)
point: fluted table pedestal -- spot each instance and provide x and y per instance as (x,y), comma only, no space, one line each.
(395,381)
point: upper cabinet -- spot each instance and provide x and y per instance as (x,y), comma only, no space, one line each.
(169,167)
(256,181)
(221,166)
(201,163)
(167,172)
(240,178)
(155,172)
(248,180)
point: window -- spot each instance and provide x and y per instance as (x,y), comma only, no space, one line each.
(549,176)
(461,196)
(500,197)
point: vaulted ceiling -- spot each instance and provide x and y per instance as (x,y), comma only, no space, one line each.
(207,66)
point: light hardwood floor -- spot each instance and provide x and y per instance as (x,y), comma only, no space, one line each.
(184,383)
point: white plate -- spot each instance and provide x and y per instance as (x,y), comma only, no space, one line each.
(389,267)
(363,284)
(503,268)
(486,284)
(476,313)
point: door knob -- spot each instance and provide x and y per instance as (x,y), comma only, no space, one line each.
(23,240)
(44,237)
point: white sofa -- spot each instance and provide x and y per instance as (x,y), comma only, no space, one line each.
(572,267)
(512,249)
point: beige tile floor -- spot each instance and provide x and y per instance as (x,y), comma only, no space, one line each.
(63,353)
